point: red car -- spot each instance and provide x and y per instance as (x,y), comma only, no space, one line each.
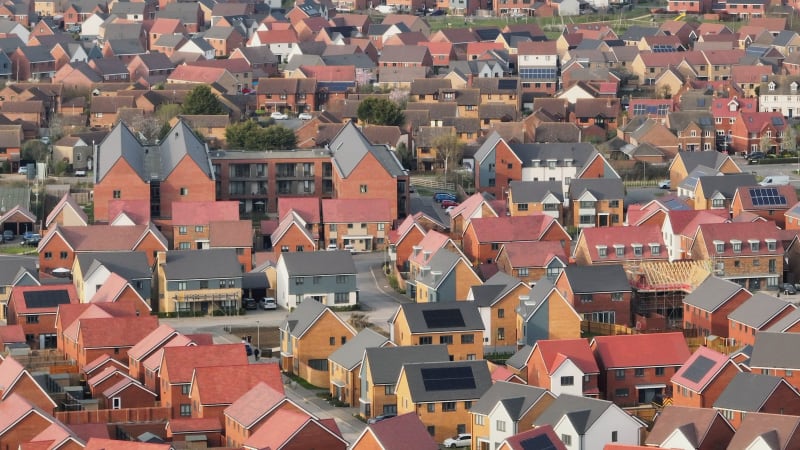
(446,203)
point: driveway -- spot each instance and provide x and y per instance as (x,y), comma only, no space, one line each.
(429,207)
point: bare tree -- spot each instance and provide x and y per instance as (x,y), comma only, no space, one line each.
(448,151)
(148,127)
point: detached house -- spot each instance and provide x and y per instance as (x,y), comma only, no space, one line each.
(702,378)
(707,308)
(756,393)
(360,225)
(598,293)
(760,312)
(562,366)
(700,428)
(769,202)
(497,299)
(456,324)
(327,277)
(444,277)
(532,261)
(544,313)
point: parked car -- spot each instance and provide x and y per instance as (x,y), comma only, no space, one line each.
(441,196)
(279,116)
(32,240)
(269,303)
(664,184)
(248,349)
(449,209)
(23,170)
(459,440)
(305,116)
(8,235)
(438,12)
(377,419)
(788,289)
(331,247)
(350,248)
(449,203)
(754,156)
(249,303)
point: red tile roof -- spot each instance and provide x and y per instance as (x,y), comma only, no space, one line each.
(270,436)
(756,122)
(537,48)
(516,442)
(308,208)
(626,237)
(222,385)
(15,407)
(152,342)
(180,362)
(68,314)
(276,36)
(115,331)
(109,371)
(356,210)
(403,432)
(20,306)
(99,362)
(717,358)
(747,201)
(86,431)
(110,444)
(741,231)
(578,351)
(110,290)
(206,75)
(432,242)
(511,229)
(535,254)
(166,26)
(11,334)
(181,426)
(153,361)
(685,222)
(231,234)
(254,404)
(203,213)
(99,238)
(126,383)
(467,207)
(137,210)
(641,350)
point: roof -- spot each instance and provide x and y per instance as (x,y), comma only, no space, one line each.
(747,392)
(494,289)
(15,407)
(203,213)
(403,432)
(385,362)
(152,342)
(520,359)
(112,444)
(554,352)
(337,262)
(307,208)
(179,362)
(512,228)
(517,399)
(190,425)
(744,232)
(42,299)
(599,188)
(534,254)
(351,353)
(67,201)
(777,430)
(441,317)
(695,423)
(773,350)
(347,157)
(712,293)
(725,184)
(130,265)
(641,350)
(254,404)
(700,369)
(115,331)
(539,438)
(357,210)
(597,278)
(303,317)
(759,309)
(582,412)
(202,264)
(767,198)
(710,159)
(220,385)
(447,381)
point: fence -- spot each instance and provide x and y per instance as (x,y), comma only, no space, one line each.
(432,183)
(155,414)
(641,183)
(605,329)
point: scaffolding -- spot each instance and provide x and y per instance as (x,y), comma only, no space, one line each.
(660,287)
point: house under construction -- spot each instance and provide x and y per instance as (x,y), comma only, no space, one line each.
(660,286)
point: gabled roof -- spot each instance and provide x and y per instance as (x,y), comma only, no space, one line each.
(440,264)
(691,160)
(289,221)
(774,350)
(204,212)
(781,432)
(512,228)
(255,404)
(744,232)
(712,293)
(67,201)
(319,263)
(221,385)
(534,254)
(468,207)
(130,265)
(284,424)
(307,208)
(599,188)
(202,264)
(401,433)
(694,423)
(152,342)
(302,318)
(597,278)
(725,184)
(520,359)
(494,289)
(357,210)
(748,392)
(447,381)
(14,408)
(582,412)
(385,362)
(44,299)
(541,437)
(700,369)
(123,384)
(440,317)
(350,146)
(11,372)
(517,399)
(641,350)
(95,443)
(179,362)
(759,309)
(115,331)
(576,350)
(69,314)
(351,353)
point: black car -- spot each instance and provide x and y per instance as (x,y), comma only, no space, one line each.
(755,156)
(438,12)
(379,418)
(249,303)
(788,289)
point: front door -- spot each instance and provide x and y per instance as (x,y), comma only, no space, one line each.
(602,220)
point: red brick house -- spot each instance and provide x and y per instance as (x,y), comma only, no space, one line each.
(68,321)
(747,199)
(143,349)
(619,245)
(129,394)
(532,261)
(758,313)
(112,336)
(552,360)
(636,369)
(296,429)
(291,235)
(116,289)
(403,239)
(35,307)
(215,388)
(360,224)
(756,393)
(18,381)
(287,94)
(706,309)
(750,127)
(483,237)
(598,293)
(702,378)
(704,427)
(21,421)
(755,426)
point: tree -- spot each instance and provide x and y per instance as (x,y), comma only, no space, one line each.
(201,100)
(167,111)
(149,128)
(244,135)
(789,142)
(765,144)
(279,137)
(35,151)
(380,111)
(405,155)
(448,151)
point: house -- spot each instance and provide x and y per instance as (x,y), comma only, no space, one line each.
(483,237)
(756,393)
(680,426)
(21,421)
(686,162)
(112,336)
(395,433)
(35,308)
(198,281)
(287,95)
(443,277)
(767,358)
(544,313)
(19,271)
(152,343)
(105,111)
(18,381)
(67,324)
(532,261)
(361,225)
(127,393)
(291,234)
(770,202)
(91,270)
(586,423)
(542,436)
(633,377)
(475,206)
(598,293)
(776,93)
(11,137)
(599,112)
(756,428)
(380,369)
(499,294)
(562,366)
(327,277)
(596,202)
(506,409)
(537,63)
(629,246)
(748,253)
(67,213)
(95,443)
(680,226)
(711,191)
(702,378)
(706,309)
(757,131)
(456,324)
(531,197)
(309,335)
(345,365)
(209,401)
(403,239)
(177,367)
(441,394)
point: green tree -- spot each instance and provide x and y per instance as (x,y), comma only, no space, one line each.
(201,100)
(279,137)
(167,111)
(35,151)
(405,155)
(765,144)
(380,111)
(245,135)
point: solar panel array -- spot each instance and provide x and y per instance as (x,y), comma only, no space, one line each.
(506,84)
(767,197)
(447,378)
(541,442)
(661,48)
(698,369)
(537,73)
(443,318)
(777,121)
(46,299)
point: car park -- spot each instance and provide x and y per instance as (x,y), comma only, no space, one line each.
(268,303)
(279,116)
(459,440)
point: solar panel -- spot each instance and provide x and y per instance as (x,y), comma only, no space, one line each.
(46,299)
(541,442)
(777,121)
(443,318)
(448,378)
(767,197)
(506,84)
(698,369)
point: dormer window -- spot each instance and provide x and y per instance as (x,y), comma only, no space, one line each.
(771,86)
(619,250)
(602,251)
(655,249)
(551,164)
(754,244)
(637,249)
(772,244)
(793,86)
(719,246)
(535,162)
(737,246)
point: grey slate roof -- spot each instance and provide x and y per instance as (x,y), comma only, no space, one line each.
(776,351)
(600,188)
(319,263)
(37,53)
(636,33)
(520,359)
(517,398)
(350,146)
(494,289)
(747,392)
(691,180)
(758,310)
(187,12)
(712,293)
(442,262)
(591,279)
(301,319)
(419,394)
(350,354)
(789,320)
(582,412)
(468,311)
(128,265)
(726,184)
(536,296)
(119,143)
(11,267)
(202,264)
(708,159)
(385,362)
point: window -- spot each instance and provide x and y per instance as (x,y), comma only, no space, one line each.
(198,229)
(389,389)
(467,338)
(185,389)
(522,206)
(659,371)
(448,406)
(48,255)
(284,248)
(614,436)
(425,340)
(602,251)
(32,319)
(623,392)
(501,313)
(754,246)
(181,285)
(616,296)
(567,381)
(566,439)
(318,364)
(341,279)
(186,410)
(500,425)
(501,334)
(381,226)
(522,272)
(495,246)
(431,407)
(446,339)
(332,227)
(717,202)
(181,230)
(341,297)
(637,249)
(116,403)
(639,372)
(332,340)
(619,374)
(363,188)
(432,430)
(299,280)
(62,255)
(586,298)
(479,419)
(184,192)
(613,204)
(117,194)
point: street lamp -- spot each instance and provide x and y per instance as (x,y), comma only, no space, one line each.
(258,335)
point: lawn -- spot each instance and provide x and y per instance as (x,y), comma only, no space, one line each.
(17,249)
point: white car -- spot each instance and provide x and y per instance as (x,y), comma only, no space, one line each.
(449,210)
(664,184)
(459,440)
(23,170)
(277,115)
(305,116)
(269,303)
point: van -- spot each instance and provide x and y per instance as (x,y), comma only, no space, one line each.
(775,180)
(386,9)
